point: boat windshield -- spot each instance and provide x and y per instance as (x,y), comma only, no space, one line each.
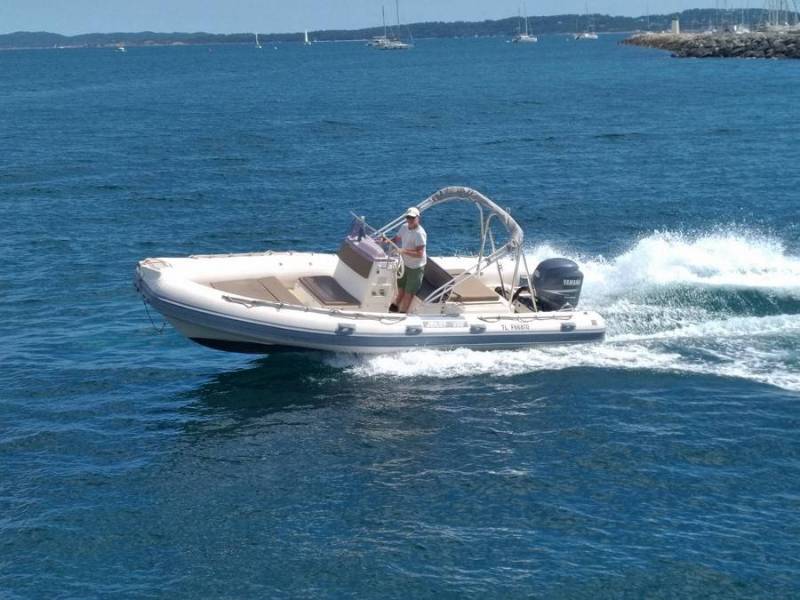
(359,228)
(362,236)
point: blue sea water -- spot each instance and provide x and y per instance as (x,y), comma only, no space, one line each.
(662,463)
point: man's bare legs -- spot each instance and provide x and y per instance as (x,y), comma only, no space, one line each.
(405,302)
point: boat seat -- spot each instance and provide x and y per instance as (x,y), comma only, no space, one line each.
(328,291)
(266,288)
(472,290)
(433,278)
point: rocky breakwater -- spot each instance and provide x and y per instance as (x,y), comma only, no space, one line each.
(723,45)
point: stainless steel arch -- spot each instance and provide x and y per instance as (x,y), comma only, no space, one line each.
(456,193)
(512,247)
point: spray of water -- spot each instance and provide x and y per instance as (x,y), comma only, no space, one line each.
(724,304)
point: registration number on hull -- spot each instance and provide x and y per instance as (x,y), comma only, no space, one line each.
(515,326)
(449,324)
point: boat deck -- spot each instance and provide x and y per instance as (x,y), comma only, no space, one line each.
(325,292)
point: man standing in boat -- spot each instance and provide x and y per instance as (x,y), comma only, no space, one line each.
(411,238)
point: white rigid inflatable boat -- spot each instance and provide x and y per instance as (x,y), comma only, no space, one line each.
(275,301)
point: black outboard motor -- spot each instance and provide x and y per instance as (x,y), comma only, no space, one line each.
(557,284)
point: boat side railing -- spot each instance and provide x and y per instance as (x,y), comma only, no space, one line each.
(395,318)
(250,303)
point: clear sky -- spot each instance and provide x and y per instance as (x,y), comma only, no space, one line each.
(272,16)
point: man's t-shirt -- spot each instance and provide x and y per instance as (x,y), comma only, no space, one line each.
(413,238)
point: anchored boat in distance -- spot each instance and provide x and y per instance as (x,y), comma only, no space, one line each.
(588,33)
(523,37)
(389,41)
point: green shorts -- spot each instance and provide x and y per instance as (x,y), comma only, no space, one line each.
(411,280)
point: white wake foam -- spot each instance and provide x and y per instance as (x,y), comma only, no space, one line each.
(749,363)
(717,260)
(719,329)
(664,335)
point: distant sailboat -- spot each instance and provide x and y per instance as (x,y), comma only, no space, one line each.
(306,41)
(588,33)
(741,27)
(524,38)
(379,40)
(258,44)
(393,42)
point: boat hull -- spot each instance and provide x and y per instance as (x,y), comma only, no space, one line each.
(233,325)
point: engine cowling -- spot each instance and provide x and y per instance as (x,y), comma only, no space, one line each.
(557,284)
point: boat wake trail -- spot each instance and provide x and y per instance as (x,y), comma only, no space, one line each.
(724,304)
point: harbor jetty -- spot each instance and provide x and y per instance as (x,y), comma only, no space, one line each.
(772,44)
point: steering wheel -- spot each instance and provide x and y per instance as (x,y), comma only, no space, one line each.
(394,253)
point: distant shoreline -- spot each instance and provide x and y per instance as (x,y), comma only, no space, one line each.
(692,19)
(266,42)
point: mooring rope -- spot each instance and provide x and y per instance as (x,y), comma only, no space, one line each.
(159,331)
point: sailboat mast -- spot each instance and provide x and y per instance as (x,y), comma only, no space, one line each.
(383,14)
(526,19)
(397,9)
(589,26)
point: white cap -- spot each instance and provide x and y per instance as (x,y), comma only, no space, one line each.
(412,212)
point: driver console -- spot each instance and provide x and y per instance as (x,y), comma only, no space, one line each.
(363,277)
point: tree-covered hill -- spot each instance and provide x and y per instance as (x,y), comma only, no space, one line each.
(695,19)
